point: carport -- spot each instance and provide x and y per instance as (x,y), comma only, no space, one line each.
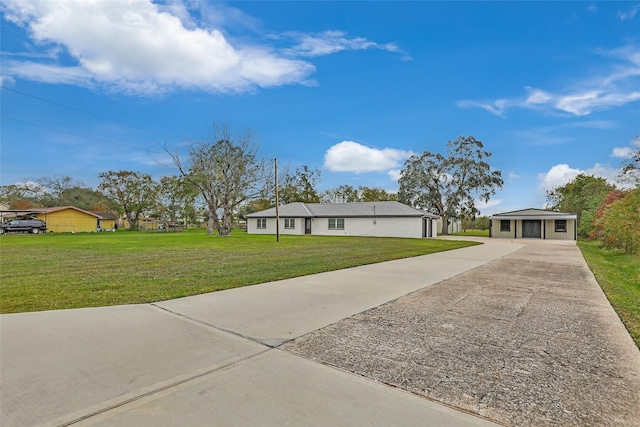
(534,224)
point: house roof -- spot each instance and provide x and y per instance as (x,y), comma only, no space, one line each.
(106,215)
(356,209)
(533,213)
(61,208)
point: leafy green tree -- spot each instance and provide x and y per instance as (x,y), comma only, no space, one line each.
(13,195)
(374,194)
(467,223)
(135,192)
(300,186)
(340,194)
(227,174)
(481,223)
(177,198)
(582,196)
(617,221)
(448,186)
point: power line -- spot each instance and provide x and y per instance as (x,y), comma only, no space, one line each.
(81,111)
(78,135)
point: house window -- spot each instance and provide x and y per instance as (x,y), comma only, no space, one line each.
(290,223)
(561,225)
(505,225)
(336,223)
(262,223)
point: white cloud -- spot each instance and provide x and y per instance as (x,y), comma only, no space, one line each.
(513,175)
(561,133)
(612,87)
(622,152)
(144,48)
(561,174)
(482,206)
(349,156)
(630,14)
(557,176)
(394,174)
(329,42)
(626,152)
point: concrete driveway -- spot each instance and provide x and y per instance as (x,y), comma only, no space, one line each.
(218,359)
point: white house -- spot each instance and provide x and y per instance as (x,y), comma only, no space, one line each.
(381,219)
(534,224)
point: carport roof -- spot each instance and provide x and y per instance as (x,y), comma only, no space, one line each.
(533,214)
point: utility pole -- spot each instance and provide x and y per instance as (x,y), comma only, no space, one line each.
(275,177)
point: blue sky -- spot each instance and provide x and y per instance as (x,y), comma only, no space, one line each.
(351,88)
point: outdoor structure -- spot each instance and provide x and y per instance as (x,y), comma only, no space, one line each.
(381,219)
(455,226)
(69,219)
(65,219)
(534,224)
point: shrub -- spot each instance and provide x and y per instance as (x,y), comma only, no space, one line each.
(617,221)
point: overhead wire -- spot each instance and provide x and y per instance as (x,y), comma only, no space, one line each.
(78,135)
(81,110)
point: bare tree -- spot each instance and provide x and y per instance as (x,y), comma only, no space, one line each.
(226,173)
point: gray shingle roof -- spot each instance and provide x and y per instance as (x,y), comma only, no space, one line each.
(357,209)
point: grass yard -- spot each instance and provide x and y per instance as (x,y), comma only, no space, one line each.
(58,271)
(618,274)
(474,232)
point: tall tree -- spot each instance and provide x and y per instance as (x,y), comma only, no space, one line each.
(177,198)
(65,191)
(375,194)
(340,194)
(135,192)
(15,197)
(300,186)
(448,186)
(582,196)
(617,220)
(227,173)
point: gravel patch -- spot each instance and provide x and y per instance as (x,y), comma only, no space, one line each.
(526,340)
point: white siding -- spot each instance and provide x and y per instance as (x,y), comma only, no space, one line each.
(252,226)
(378,227)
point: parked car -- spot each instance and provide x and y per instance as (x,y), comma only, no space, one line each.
(34,226)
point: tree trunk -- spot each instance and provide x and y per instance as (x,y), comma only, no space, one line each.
(210,225)
(133,221)
(226,226)
(445,226)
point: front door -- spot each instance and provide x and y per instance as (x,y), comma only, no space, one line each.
(531,229)
(307,226)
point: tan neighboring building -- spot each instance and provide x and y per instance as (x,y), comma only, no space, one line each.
(534,224)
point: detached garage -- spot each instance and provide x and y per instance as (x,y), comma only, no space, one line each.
(534,224)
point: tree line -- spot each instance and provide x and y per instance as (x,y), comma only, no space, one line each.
(606,212)
(226,179)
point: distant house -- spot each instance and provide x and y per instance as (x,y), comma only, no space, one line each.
(106,221)
(534,224)
(381,219)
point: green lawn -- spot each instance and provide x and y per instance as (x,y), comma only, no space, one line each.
(618,274)
(475,232)
(57,271)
